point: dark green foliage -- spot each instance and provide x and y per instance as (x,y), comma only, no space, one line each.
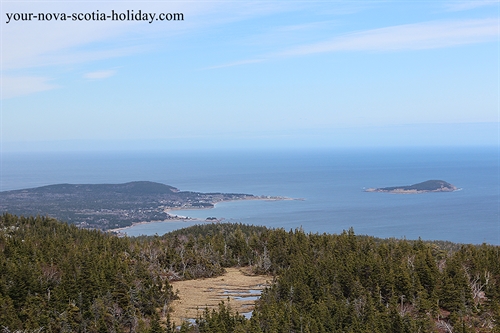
(62,278)
(220,321)
(155,326)
(349,283)
(429,185)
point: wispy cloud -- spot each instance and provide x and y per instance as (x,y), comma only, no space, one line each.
(35,46)
(40,44)
(468,5)
(24,85)
(287,35)
(427,35)
(99,75)
(418,36)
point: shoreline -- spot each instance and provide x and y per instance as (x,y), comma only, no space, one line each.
(177,218)
(255,198)
(402,191)
(428,186)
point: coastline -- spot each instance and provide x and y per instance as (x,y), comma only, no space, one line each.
(177,218)
(402,191)
(423,187)
(263,198)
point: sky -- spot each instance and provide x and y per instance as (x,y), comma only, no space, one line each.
(250,74)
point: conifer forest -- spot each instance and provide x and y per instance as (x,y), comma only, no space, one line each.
(56,277)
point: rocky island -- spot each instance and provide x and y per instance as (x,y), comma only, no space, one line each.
(427,186)
(110,206)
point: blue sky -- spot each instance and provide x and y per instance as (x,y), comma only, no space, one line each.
(252,74)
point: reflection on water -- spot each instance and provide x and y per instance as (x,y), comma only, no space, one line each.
(247,315)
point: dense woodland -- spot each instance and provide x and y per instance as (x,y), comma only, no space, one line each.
(55,277)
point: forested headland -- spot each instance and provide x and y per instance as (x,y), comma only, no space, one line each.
(111,206)
(55,277)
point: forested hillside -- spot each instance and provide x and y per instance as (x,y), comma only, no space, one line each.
(62,278)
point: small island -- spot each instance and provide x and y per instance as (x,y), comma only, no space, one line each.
(424,187)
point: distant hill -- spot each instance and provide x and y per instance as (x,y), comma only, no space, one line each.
(132,188)
(108,206)
(427,186)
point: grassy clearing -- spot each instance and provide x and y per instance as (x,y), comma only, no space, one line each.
(196,295)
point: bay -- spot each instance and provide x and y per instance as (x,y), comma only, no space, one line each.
(330,182)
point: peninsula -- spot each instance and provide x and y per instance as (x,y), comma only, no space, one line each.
(427,186)
(110,206)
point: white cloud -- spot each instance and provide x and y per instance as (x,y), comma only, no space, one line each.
(98,75)
(34,44)
(25,85)
(29,44)
(418,36)
(426,35)
(468,5)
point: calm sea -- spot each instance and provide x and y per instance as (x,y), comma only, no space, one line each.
(330,182)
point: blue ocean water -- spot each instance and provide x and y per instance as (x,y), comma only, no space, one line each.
(330,182)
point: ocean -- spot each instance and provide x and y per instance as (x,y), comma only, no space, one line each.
(329,183)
